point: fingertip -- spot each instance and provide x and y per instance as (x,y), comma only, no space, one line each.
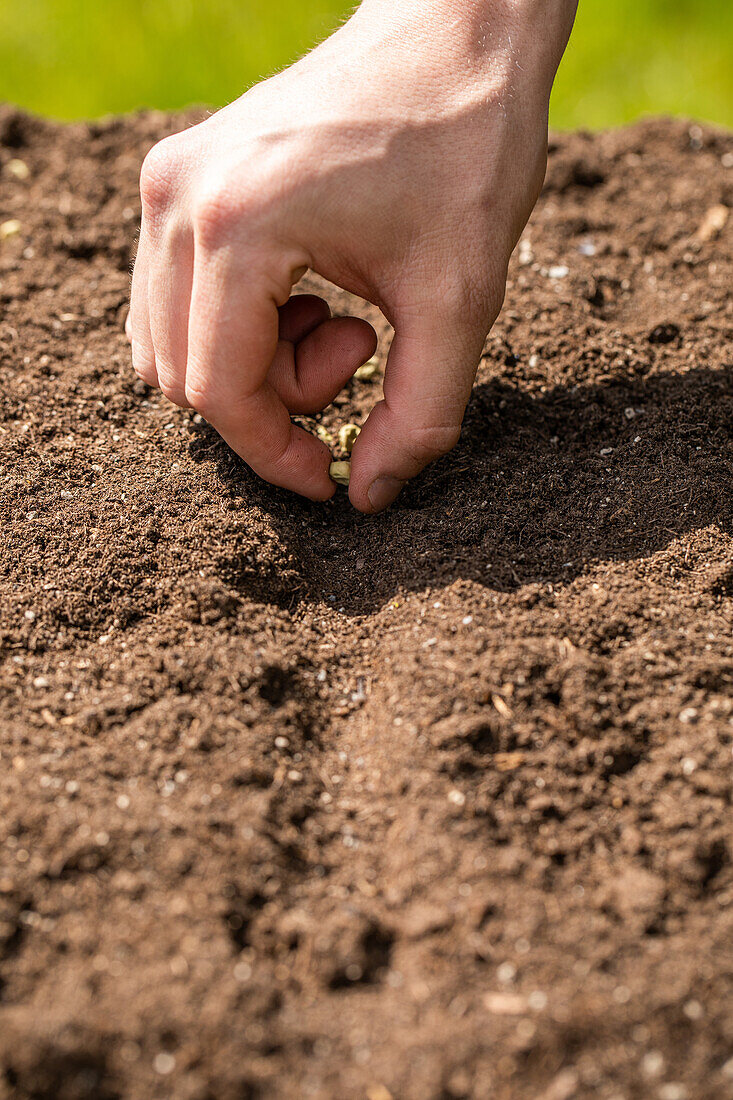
(365,332)
(300,315)
(376,496)
(310,460)
(323,362)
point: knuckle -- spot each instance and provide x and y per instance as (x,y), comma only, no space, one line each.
(159,175)
(143,364)
(278,453)
(172,391)
(214,212)
(460,300)
(428,443)
(199,396)
(143,370)
(473,296)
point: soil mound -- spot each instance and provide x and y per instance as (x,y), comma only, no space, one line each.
(433,805)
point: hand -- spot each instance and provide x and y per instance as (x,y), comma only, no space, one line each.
(399,160)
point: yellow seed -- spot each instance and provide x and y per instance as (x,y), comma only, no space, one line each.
(367,372)
(324,435)
(9,229)
(347,437)
(340,472)
(18,169)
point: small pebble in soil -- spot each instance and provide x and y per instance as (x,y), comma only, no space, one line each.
(242,971)
(18,169)
(340,472)
(347,437)
(558,271)
(366,372)
(652,1064)
(525,255)
(506,973)
(378,1092)
(504,1004)
(164,1063)
(673,1091)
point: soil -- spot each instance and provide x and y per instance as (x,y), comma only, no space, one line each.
(431,805)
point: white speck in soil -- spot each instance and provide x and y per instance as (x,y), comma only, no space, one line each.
(164,1063)
(506,973)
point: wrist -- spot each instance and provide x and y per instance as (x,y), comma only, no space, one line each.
(486,38)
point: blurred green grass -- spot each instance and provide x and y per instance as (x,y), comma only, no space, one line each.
(78,58)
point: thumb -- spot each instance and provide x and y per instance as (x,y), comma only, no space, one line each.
(430,371)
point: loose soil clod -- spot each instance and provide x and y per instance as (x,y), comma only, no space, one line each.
(429,805)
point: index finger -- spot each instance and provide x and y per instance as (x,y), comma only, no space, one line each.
(233,335)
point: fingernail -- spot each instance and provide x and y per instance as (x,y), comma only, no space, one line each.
(383,491)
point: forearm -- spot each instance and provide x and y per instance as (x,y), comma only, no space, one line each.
(483,36)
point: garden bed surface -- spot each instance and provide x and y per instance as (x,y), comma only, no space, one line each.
(431,805)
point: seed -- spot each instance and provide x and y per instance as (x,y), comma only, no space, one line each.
(711,225)
(340,472)
(324,435)
(9,229)
(367,372)
(347,437)
(18,169)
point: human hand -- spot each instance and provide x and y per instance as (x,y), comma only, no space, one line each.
(400,160)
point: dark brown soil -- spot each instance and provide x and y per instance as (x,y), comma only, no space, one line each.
(431,805)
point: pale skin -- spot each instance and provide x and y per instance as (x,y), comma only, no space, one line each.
(400,160)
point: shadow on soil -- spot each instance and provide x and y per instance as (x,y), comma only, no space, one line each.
(540,485)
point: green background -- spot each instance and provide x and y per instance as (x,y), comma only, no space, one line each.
(76,58)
